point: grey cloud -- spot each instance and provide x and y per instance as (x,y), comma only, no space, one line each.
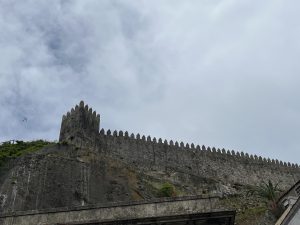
(221,73)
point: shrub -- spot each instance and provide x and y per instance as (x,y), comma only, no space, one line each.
(269,192)
(167,190)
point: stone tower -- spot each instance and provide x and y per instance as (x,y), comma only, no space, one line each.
(80,126)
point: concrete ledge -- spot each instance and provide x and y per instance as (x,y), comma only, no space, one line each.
(115,211)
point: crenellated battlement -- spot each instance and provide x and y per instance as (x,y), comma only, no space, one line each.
(80,122)
(90,114)
(195,148)
(81,126)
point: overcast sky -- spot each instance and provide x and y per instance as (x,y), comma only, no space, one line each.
(222,73)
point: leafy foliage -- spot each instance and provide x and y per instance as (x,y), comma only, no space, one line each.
(167,190)
(269,192)
(10,150)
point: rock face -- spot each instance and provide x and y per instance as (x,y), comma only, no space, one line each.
(64,175)
(90,167)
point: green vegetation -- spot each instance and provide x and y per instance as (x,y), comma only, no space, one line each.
(10,150)
(251,215)
(167,190)
(250,208)
(269,192)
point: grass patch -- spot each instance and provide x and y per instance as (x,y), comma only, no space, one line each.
(13,150)
(167,190)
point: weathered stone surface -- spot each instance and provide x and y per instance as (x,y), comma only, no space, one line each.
(61,176)
(115,212)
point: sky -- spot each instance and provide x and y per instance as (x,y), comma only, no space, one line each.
(223,73)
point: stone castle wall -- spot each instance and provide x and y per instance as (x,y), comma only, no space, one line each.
(151,154)
(211,163)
